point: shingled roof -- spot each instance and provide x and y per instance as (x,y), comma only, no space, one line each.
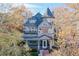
(49,14)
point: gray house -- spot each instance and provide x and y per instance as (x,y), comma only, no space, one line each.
(39,31)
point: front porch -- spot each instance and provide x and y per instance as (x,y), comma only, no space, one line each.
(40,44)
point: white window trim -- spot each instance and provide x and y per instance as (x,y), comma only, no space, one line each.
(45,44)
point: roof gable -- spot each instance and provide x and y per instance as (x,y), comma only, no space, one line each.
(38,15)
(45,37)
(37,18)
(45,23)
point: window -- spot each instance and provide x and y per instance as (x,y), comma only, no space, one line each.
(32,21)
(40,29)
(26,28)
(33,29)
(33,42)
(44,24)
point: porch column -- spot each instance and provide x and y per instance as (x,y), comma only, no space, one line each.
(51,44)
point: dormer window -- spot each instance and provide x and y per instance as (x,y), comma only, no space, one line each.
(32,21)
(33,29)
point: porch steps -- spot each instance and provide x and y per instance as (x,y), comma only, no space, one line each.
(44,53)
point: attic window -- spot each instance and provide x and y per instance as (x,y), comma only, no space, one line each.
(32,21)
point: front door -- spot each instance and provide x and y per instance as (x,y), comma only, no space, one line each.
(44,44)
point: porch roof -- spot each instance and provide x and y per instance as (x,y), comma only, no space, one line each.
(43,37)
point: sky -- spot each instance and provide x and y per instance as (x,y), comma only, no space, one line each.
(41,7)
(34,7)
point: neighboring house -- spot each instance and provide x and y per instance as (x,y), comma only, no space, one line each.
(39,31)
